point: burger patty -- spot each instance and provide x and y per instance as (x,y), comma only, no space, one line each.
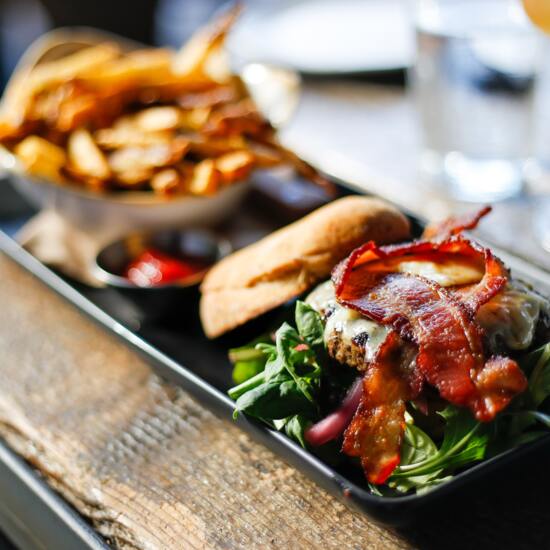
(350,338)
(511,321)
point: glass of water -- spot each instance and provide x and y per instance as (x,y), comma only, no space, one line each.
(539,13)
(473,83)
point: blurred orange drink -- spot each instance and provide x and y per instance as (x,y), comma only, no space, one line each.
(539,13)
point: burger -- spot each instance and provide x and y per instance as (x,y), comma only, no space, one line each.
(412,358)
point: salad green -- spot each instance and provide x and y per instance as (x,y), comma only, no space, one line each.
(288,382)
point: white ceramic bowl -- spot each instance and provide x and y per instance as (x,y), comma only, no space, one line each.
(119,213)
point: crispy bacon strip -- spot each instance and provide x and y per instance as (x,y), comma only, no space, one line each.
(385,260)
(440,322)
(454,225)
(376,430)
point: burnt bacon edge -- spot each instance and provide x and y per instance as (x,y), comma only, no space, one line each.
(493,280)
(454,225)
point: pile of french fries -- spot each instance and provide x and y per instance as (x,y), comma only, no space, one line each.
(169,122)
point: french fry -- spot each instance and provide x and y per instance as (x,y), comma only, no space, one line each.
(192,57)
(206,146)
(304,169)
(84,61)
(237,119)
(138,68)
(86,157)
(69,106)
(41,157)
(205,178)
(210,98)
(134,176)
(16,100)
(133,165)
(235,166)
(194,119)
(26,85)
(129,166)
(120,136)
(166,181)
(265,157)
(76,112)
(156,119)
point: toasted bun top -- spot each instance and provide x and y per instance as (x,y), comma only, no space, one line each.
(286,263)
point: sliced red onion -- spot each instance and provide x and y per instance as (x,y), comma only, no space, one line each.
(333,425)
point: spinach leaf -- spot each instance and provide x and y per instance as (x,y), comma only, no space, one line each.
(464,442)
(244,370)
(529,408)
(248,360)
(309,323)
(528,418)
(464,439)
(274,400)
(294,427)
(539,380)
(285,393)
(417,447)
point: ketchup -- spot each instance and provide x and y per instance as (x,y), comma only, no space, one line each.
(152,268)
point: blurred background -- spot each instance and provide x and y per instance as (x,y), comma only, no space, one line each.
(434,104)
(166,22)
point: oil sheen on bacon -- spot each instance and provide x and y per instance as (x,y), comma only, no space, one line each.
(440,324)
(376,430)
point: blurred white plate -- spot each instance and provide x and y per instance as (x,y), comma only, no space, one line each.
(326,36)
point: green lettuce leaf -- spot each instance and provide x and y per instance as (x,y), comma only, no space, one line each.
(464,442)
(309,324)
(285,392)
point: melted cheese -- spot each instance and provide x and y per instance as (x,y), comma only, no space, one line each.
(510,317)
(344,321)
(446,274)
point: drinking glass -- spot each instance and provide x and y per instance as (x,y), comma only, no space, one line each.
(539,13)
(473,85)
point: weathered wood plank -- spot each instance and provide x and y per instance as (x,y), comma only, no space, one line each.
(149,466)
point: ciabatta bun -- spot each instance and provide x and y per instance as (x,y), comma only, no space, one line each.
(286,263)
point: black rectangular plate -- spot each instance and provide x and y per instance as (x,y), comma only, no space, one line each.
(173,343)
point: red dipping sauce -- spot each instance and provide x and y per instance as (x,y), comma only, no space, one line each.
(153,268)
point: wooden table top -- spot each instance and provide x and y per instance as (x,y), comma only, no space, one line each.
(152,468)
